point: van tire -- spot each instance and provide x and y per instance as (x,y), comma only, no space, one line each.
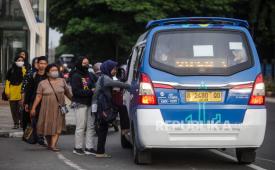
(125,144)
(246,155)
(141,157)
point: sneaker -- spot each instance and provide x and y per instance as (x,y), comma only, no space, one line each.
(104,155)
(90,151)
(78,151)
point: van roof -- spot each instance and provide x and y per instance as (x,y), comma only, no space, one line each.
(198,20)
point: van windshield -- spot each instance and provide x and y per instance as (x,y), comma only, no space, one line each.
(200,52)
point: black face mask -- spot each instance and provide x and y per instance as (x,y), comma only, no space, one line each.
(85,67)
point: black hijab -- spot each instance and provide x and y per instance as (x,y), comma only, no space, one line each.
(79,68)
(15,73)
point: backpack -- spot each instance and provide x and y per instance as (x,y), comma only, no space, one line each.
(105,108)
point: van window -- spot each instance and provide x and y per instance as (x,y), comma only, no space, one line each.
(140,53)
(200,52)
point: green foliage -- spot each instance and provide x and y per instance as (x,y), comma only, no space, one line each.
(109,28)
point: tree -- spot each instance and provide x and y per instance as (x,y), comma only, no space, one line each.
(109,28)
(260,14)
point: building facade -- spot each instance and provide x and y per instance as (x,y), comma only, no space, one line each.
(23,26)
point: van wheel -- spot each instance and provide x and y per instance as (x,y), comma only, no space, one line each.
(124,142)
(246,155)
(141,157)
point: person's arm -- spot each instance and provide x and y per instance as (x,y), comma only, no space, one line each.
(37,100)
(77,88)
(27,94)
(7,84)
(7,88)
(108,82)
(26,79)
(68,92)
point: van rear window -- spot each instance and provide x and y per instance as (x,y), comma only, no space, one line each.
(200,52)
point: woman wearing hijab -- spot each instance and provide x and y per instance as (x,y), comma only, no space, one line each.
(83,86)
(108,70)
(14,79)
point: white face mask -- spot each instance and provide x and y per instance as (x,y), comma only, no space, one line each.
(53,74)
(19,63)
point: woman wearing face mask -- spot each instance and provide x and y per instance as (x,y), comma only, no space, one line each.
(14,79)
(51,93)
(108,71)
(25,55)
(83,84)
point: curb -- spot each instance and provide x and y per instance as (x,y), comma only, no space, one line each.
(18,134)
(11,134)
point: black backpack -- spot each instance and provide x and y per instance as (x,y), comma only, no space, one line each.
(105,109)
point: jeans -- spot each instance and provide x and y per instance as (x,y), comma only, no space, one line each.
(84,121)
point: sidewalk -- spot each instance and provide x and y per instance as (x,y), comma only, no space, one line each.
(6,122)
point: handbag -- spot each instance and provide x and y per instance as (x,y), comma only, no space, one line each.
(63,108)
(4,96)
(30,135)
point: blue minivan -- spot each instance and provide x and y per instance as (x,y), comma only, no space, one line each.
(196,83)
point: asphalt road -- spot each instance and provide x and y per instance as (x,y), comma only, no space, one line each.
(16,154)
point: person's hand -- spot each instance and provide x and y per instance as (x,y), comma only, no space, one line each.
(93,89)
(27,108)
(128,88)
(32,113)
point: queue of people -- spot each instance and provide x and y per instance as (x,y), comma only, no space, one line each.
(37,92)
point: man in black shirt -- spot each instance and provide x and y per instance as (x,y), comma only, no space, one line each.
(30,89)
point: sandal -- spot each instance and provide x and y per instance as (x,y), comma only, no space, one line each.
(54,149)
(104,155)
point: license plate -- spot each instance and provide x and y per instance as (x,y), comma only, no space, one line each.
(200,96)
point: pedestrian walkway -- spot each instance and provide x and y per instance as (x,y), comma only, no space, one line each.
(6,123)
